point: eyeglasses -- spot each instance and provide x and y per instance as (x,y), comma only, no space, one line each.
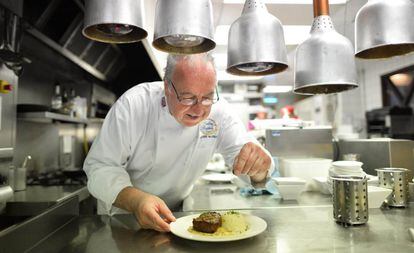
(188,101)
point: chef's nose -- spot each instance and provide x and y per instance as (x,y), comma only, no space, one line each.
(198,108)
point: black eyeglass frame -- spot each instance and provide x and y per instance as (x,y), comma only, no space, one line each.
(194,99)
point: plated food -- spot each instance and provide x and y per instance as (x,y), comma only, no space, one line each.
(218,226)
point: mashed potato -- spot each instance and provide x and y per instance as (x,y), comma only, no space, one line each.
(232,223)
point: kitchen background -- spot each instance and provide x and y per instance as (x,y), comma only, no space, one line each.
(53,51)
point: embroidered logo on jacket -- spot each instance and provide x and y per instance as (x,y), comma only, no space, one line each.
(208,129)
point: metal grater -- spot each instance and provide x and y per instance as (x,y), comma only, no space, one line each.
(350,200)
(397,180)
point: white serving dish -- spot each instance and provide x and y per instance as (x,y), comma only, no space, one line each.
(289,187)
(377,195)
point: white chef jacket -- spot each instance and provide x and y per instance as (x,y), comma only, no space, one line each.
(142,145)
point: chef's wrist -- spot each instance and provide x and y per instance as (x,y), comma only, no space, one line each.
(129,199)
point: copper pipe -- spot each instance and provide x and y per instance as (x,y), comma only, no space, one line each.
(320,7)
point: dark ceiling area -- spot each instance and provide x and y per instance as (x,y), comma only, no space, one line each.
(138,68)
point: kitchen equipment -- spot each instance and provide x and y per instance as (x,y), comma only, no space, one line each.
(384,28)
(101,100)
(351,157)
(324,63)
(21,175)
(11,177)
(184,26)
(397,180)
(306,142)
(350,200)
(6,192)
(380,153)
(10,37)
(391,121)
(256,44)
(114,21)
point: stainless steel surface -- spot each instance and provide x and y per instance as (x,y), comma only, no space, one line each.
(324,63)
(48,117)
(118,21)
(68,54)
(36,228)
(298,229)
(350,200)
(397,180)
(50,193)
(384,29)
(211,196)
(256,44)
(380,153)
(184,26)
(6,152)
(300,142)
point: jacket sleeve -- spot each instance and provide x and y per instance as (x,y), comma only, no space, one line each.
(233,135)
(106,161)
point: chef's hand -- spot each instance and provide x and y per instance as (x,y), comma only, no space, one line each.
(151,212)
(253,161)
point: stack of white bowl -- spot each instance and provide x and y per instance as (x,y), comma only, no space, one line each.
(345,168)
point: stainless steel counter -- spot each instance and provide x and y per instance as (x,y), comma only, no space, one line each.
(39,193)
(223,196)
(292,229)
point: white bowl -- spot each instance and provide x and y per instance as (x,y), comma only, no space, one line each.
(377,195)
(289,187)
(347,164)
(322,185)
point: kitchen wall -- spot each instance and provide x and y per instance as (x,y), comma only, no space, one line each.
(36,86)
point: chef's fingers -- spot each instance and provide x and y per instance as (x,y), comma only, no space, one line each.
(249,164)
(242,158)
(158,223)
(257,166)
(166,213)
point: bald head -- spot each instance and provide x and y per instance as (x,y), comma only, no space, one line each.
(194,63)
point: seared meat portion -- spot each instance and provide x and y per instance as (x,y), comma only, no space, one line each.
(207,222)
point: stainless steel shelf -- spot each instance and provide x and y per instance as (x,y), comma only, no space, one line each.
(49,117)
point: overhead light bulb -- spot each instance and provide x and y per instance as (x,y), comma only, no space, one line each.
(115,29)
(182,40)
(255,67)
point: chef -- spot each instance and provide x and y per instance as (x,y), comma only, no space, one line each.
(158,138)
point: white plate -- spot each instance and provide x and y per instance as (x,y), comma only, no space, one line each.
(180,228)
(218,177)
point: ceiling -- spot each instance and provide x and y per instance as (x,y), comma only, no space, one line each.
(295,15)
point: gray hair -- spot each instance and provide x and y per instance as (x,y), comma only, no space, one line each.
(173,59)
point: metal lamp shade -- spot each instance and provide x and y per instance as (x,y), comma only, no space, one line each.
(384,28)
(256,44)
(184,26)
(325,62)
(114,21)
